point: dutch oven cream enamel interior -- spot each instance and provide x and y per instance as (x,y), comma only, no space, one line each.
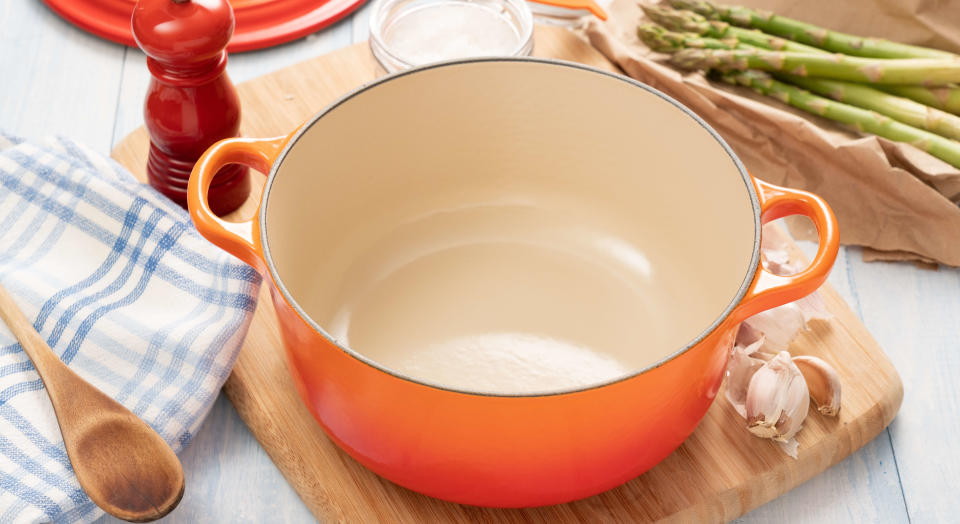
(463,230)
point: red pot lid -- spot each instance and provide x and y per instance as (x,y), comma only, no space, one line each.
(260,23)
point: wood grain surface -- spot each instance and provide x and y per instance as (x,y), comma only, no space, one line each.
(719,473)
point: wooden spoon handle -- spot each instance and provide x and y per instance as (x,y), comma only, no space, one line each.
(44,359)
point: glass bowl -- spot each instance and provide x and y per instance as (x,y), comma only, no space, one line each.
(410,33)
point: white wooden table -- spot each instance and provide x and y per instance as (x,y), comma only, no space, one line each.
(56,79)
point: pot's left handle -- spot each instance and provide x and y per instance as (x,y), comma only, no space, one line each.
(237,238)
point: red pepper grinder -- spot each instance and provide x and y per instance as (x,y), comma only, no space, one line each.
(191,102)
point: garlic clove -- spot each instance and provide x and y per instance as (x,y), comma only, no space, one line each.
(775,251)
(778,262)
(774,238)
(823,383)
(777,399)
(740,370)
(747,336)
(795,409)
(779,326)
(812,307)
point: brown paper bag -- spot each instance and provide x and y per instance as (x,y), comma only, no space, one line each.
(892,198)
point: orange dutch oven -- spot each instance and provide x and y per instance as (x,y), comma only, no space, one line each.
(508,282)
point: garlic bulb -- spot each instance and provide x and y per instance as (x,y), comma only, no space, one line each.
(764,385)
(777,399)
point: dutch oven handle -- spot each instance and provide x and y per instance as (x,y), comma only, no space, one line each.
(768,290)
(237,238)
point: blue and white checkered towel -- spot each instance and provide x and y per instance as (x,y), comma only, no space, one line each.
(125,290)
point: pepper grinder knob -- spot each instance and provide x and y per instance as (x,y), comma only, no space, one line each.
(190,102)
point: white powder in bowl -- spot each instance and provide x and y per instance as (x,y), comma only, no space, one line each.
(450,30)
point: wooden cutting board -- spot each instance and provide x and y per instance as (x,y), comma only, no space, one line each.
(719,473)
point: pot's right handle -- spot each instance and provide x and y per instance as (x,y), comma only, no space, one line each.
(237,238)
(768,290)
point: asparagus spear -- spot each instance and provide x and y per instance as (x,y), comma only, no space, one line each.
(946,98)
(808,33)
(664,41)
(898,108)
(690,22)
(861,119)
(927,71)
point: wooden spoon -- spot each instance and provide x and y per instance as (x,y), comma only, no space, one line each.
(124,465)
